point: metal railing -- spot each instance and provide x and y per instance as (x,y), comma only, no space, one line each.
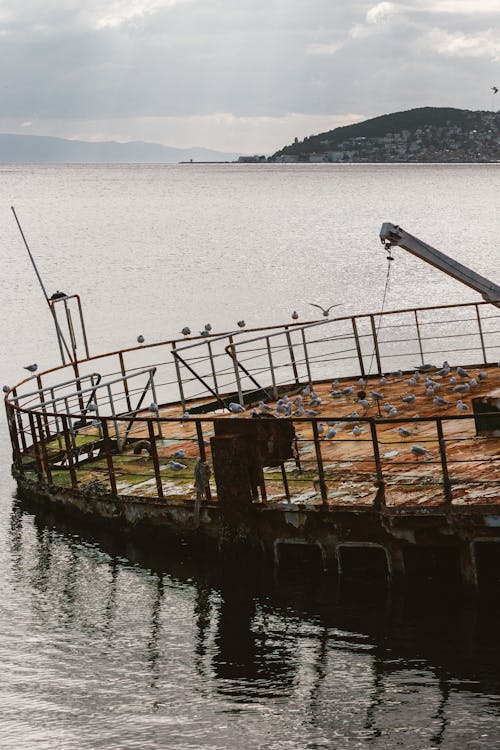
(95,407)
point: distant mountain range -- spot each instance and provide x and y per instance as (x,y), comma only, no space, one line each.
(41,149)
(424,134)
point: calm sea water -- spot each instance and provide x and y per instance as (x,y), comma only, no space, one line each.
(106,644)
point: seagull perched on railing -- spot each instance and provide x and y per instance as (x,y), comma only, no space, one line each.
(153,407)
(325,310)
(236,408)
(295,315)
(140,339)
(186,331)
(241,324)
(6,388)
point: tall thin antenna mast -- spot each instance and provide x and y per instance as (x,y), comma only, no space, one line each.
(60,338)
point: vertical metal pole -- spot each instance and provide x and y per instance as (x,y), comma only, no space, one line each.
(292,355)
(153,391)
(271,367)
(36,449)
(45,458)
(113,412)
(203,456)
(19,420)
(125,381)
(319,459)
(69,322)
(380,497)
(308,368)
(358,347)
(285,481)
(56,418)
(212,365)
(236,371)
(69,451)
(480,327)
(375,344)
(179,380)
(17,456)
(82,323)
(419,338)
(109,457)
(444,462)
(42,401)
(154,456)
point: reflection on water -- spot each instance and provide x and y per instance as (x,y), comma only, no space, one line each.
(112,644)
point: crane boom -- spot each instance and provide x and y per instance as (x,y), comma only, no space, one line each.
(391,234)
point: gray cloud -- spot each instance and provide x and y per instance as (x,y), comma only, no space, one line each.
(109,61)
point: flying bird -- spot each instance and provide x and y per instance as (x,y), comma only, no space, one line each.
(31,368)
(494,89)
(325,310)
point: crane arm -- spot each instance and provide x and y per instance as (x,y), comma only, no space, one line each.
(391,234)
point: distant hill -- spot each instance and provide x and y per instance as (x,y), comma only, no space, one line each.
(433,131)
(40,149)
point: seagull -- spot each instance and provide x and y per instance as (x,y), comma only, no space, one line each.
(356,431)
(393,412)
(409,399)
(321,428)
(331,433)
(404,432)
(376,395)
(31,368)
(298,412)
(325,310)
(241,324)
(185,416)
(186,331)
(315,402)
(236,408)
(152,407)
(361,383)
(295,315)
(473,383)
(494,89)
(348,391)
(208,327)
(364,402)
(461,406)
(463,373)
(440,401)
(310,412)
(417,451)
(482,375)
(140,339)
(204,333)
(412,382)
(297,401)
(461,388)
(6,388)
(387,407)
(264,407)
(92,406)
(179,454)
(383,380)
(175,465)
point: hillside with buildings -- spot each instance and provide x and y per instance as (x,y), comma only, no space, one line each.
(427,134)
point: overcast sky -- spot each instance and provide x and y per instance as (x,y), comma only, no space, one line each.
(242,75)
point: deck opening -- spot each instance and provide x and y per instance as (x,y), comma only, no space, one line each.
(298,557)
(432,565)
(363,563)
(487,556)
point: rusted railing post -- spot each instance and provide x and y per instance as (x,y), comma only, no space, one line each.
(154,456)
(358,347)
(109,456)
(285,481)
(306,357)
(319,460)
(271,367)
(380,497)
(375,344)
(481,336)
(444,462)
(203,456)
(212,366)
(16,452)
(36,447)
(42,401)
(236,371)
(69,451)
(179,378)
(125,382)
(19,420)
(292,355)
(43,447)
(419,338)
